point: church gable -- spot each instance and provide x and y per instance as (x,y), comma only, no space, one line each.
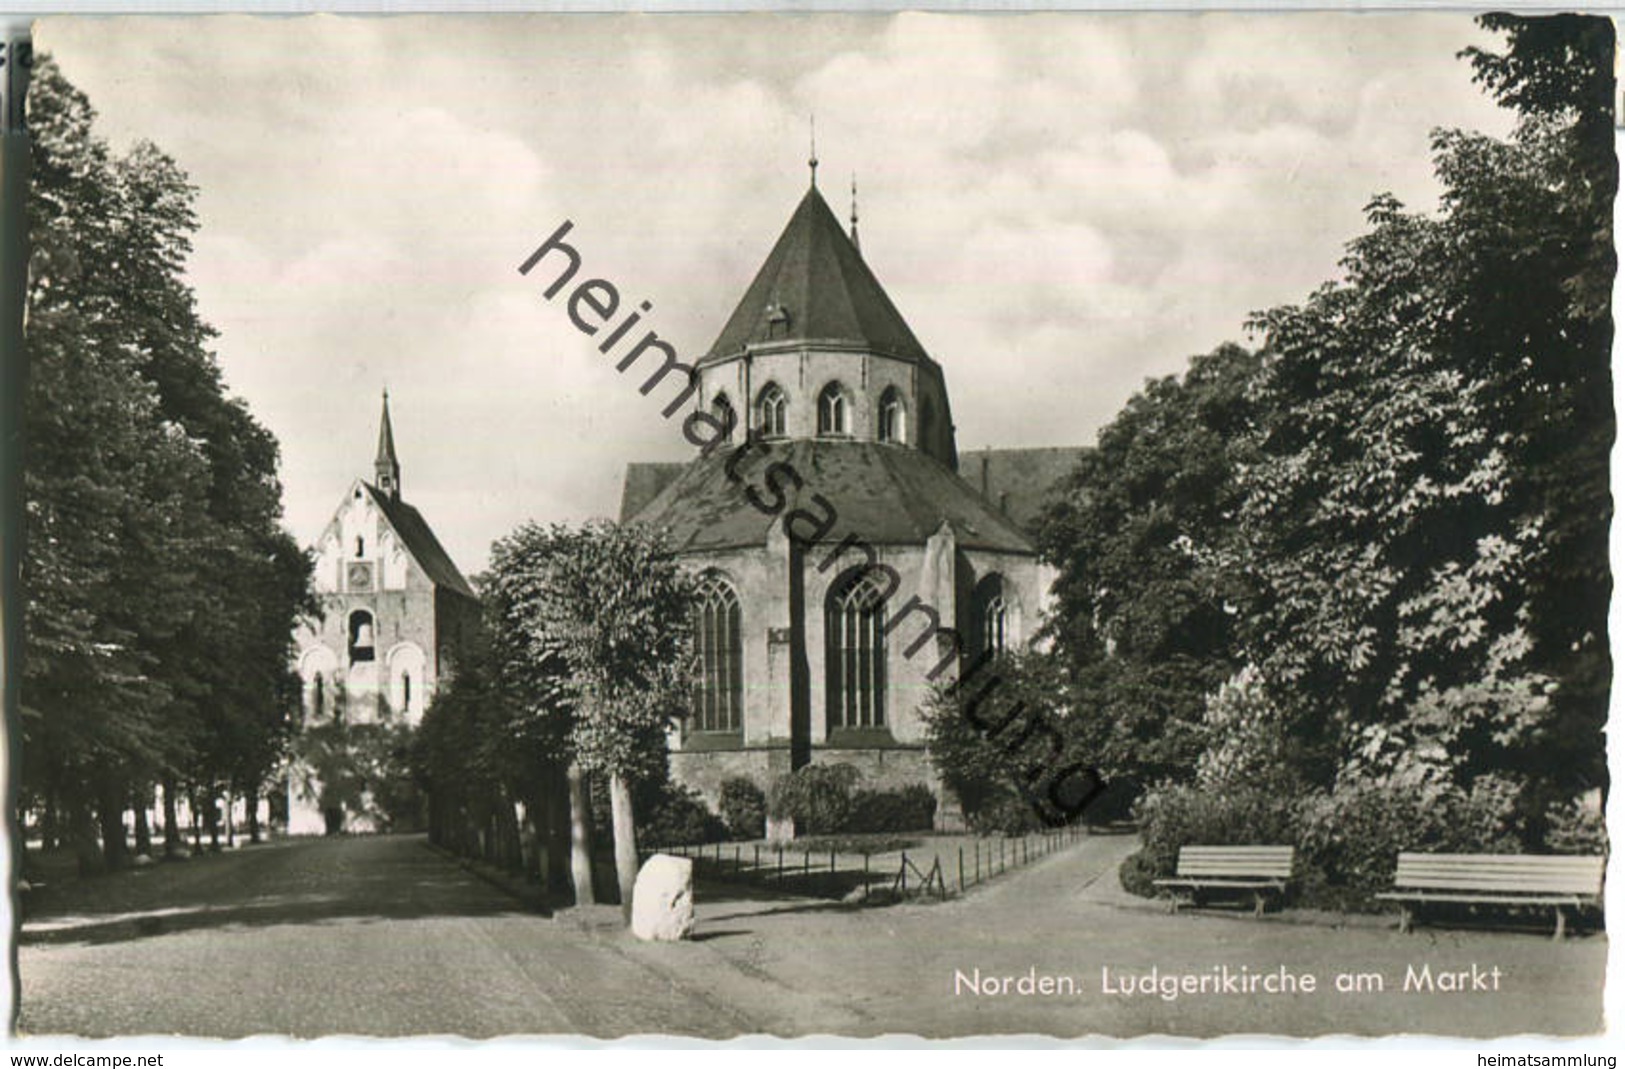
(378,543)
(361,552)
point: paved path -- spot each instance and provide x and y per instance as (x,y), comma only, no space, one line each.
(382,936)
(376,936)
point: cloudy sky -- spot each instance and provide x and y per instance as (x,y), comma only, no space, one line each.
(1060,205)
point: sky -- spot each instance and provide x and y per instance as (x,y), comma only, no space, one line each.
(1061,206)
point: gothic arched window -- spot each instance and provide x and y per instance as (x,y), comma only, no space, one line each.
(855,652)
(723,410)
(994,632)
(770,407)
(717,645)
(832,414)
(893,417)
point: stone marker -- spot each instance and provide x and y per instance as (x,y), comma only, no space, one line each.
(663,899)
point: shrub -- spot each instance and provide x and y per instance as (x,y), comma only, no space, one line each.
(817,797)
(1136,874)
(1575,828)
(676,816)
(910,808)
(744,808)
(1004,815)
(855,844)
(1184,816)
(1352,837)
(1246,738)
(1006,739)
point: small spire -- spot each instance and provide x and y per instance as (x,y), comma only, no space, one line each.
(812,148)
(386,466)
(855,243)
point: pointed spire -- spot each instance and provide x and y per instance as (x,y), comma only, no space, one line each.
(812,148)
(856,244)
(387,467)
(816,276)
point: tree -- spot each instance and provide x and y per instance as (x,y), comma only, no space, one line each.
(1145,616)
(596,623)
(1393,519)
(496,734)
(161,590)
(1006,740)
(1426,502)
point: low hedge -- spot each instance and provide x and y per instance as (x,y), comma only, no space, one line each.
(1347,841)
(743,807)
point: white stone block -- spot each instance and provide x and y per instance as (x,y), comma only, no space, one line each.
(663,899)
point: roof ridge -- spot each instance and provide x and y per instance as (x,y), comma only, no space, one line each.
(420,541)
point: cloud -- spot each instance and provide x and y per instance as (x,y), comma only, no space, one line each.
(1060,205)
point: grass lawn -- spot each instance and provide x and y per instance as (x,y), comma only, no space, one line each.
(841,866)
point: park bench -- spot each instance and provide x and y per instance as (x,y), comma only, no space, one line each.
(1514,880)
(1258,870)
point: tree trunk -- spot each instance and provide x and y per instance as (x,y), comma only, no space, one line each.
(211,819)
(514,834)
(580,838)
(252,801)
(172,821)
(49,835)
(110,807)
(557,793)
(626,840)
(197,829)
(82,833)
(143,831)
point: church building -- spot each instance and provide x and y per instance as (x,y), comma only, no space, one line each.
(393,607)
(908,560)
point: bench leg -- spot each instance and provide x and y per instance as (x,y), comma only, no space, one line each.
(1173,903)
(1258,903)
(1557,935)
(1404,920)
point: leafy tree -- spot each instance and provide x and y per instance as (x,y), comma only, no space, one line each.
(594,627)
(1010,743)
(1145,615)
(489,741)
(161,590)
(1395,515)
(1426,505)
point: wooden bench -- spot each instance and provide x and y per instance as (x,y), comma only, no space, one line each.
(1259,870)
(1496,879)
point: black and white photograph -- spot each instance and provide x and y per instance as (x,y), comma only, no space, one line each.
(919,524)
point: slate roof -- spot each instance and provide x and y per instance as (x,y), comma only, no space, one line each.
(414,532)
(644,480)
(1019,482)
(825,291)
(885,494)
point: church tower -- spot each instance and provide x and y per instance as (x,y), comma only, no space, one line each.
(844,566)
(394,607)
(815,349)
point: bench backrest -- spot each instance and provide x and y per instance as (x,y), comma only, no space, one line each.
(1510,873)
(1262,861)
